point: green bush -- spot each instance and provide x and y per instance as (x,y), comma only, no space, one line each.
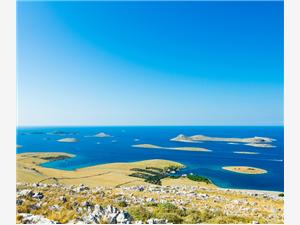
(198,178)
(140,213)
(229,219)
(122,204)
(151,204)
(171,217)
(165,208)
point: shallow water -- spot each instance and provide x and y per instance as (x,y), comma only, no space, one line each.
(91,150)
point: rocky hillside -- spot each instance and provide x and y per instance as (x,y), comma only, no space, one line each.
(151,204)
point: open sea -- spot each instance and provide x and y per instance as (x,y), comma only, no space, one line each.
(92,150)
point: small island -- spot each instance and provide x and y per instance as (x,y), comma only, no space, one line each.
(102,135)
(245,169)
(259,145)
(68,140)
(196,149)
(247,153)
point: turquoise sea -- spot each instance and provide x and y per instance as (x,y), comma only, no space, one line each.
(92,150)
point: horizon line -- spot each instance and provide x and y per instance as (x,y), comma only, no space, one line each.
(220,125)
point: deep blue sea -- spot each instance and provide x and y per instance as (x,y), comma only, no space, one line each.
(91,150)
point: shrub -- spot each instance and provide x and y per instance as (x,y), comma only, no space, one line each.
(165,208)
(171,217)
(198,178)
(122,204)
(140,213)
(151,204)
(281,195)
(229,219)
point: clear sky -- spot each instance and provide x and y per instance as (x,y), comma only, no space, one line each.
(150,63)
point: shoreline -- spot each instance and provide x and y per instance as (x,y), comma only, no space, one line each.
(62,155)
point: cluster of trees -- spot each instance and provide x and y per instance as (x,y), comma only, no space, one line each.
(153,175)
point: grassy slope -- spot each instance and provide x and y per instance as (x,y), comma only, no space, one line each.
(109,175)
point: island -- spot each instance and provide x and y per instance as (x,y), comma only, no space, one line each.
(245,169)
(247,153)
(259,145)
(261,142)
(68,140)
(195,149)
(195,138)
(102,135)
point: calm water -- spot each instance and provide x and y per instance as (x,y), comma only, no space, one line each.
(91,151)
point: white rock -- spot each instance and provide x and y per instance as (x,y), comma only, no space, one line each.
(35,219)
(25,192)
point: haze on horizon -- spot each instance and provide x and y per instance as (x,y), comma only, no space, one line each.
(150,63)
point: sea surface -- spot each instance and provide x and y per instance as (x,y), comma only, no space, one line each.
(91,151)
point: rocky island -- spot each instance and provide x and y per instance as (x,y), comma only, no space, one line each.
(263,142)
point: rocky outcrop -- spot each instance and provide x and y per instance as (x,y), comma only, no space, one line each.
(108,214)
(27,218)
(91,205)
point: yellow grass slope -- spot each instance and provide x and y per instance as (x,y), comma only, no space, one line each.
(109,175)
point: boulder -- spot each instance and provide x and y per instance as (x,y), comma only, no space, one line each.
(35,206)
(157,221)
(38,195)
(35,219)
(63,199)
(55,207)
(124,218)
(25,193)
(19,201)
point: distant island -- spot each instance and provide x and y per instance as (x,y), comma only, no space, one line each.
(196,149)
(259,145)
(247,153)
(245,169)
(262,142)
(102,135)
(68,140)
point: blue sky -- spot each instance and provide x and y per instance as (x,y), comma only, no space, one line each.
(143,63)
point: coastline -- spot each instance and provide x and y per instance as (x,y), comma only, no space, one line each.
(44,195)
(122,170)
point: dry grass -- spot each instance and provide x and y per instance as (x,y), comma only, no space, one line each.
(108,175)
